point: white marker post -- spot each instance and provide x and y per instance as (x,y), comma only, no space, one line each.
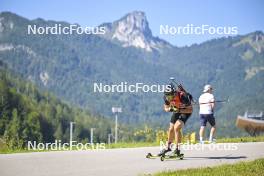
(71,130)
(116,110)
(91,135)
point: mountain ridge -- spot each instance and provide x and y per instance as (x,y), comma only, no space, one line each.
(110,25)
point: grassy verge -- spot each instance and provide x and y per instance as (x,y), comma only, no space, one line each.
(241,139)
(221,140)
(4,149)
(252,168)
(131,145)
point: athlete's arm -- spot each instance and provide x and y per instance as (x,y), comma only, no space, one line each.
(212,104)
(166,108)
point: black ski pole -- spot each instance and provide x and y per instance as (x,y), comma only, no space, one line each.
(177,84)
(216,101)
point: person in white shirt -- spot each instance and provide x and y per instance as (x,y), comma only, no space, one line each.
(207,103)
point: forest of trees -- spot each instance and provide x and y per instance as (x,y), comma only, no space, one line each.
(30,114)
(27,114)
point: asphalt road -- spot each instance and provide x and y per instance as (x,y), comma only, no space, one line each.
(122,162)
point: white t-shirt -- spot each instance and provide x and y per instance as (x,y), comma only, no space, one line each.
(206,98)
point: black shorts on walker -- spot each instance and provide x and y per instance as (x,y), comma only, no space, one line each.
(204,118)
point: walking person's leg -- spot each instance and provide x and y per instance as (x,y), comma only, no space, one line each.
(212,133)
(201,133)
(211,120)
(203,122)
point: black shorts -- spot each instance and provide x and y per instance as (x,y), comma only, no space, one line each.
(204,118)
(179,116)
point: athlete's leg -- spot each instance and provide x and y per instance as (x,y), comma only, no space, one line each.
(177,128)
(203,122)
(171,134)
(170,140)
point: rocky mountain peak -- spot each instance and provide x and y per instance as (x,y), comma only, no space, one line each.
(133,30)
(133,23)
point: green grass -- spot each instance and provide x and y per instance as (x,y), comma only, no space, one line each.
(252,168)
(241,139)
(4,149)
(221,140)
(131,145)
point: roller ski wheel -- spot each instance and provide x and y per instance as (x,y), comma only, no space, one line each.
(162,157)
(181,156)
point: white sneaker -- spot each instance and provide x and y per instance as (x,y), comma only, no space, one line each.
(213,141)
(201,142)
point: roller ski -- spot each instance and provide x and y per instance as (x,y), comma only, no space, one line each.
(151,156)
(162,152)
(174,155)
(162,155)
(171,156)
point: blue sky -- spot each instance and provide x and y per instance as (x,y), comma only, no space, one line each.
(247,15)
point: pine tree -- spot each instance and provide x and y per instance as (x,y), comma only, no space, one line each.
(13,132)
